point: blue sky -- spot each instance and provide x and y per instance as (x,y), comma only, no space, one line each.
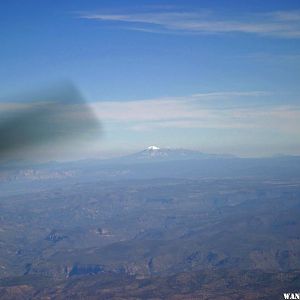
(218,76)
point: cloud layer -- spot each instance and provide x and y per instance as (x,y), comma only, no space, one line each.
(201,111)
(215,110)
(280,24)
(222,119)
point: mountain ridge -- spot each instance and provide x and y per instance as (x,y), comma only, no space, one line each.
(155,153)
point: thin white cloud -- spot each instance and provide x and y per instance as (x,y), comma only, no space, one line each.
(167,108)
(232,94)
(180,116)
(284,24)
(192,111)
(189,112)
(286,15)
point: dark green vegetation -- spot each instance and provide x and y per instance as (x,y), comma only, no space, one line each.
(159,238)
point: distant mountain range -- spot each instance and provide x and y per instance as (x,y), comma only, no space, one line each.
(154,153)
(155,162)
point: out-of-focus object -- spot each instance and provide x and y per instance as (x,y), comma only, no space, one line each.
(56,115)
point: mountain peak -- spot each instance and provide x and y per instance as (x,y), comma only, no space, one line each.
(155,154)
(153,148)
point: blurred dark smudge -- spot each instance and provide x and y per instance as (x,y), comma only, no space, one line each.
(54,115)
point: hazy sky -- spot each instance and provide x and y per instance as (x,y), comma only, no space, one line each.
(218,76)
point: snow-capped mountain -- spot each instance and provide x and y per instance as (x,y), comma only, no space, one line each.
(154,153)
(153,148)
